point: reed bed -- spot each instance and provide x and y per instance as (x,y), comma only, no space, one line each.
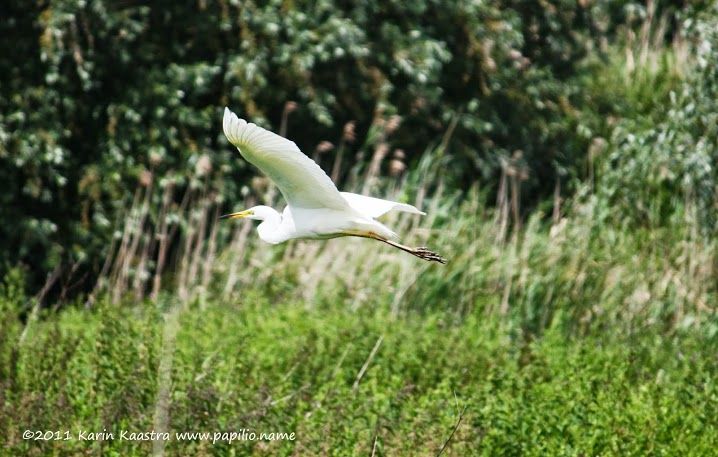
(572,262)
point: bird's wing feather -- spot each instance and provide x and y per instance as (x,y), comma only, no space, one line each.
(302,182)
(375,207)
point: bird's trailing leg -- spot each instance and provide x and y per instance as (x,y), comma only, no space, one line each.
(421,252)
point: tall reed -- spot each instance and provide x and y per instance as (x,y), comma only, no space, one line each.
(574,267)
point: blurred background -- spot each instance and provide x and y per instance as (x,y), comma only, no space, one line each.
(565,152)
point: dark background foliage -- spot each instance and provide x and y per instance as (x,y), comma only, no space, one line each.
(96,93)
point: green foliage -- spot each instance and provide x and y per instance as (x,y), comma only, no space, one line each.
(661,165)
(576,338)
(92,371)
(97,93)
(266,366)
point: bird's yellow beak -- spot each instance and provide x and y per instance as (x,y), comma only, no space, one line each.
(239,215)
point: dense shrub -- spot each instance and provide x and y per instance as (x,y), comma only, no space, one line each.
(263,366)
(97,93)
(662,165)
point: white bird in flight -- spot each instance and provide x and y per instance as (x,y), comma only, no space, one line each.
(315,208)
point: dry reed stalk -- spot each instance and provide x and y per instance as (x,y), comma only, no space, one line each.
(163,240)
(39,298)
(289,108)
(337,165)
(140,279)
(66,287)
(556,214)
(645,33)
(102,282)
(682,53)
(289,252)
(185,257)
(407,278)
(502,213)
(313,278)
(238,245)
(419,199)
(364,367)
(122,251)
(137,231)
(374,169)
(211,253)
(515,202)
(348,137)
(199,243)
(509,280)
(433,210)
(186,199)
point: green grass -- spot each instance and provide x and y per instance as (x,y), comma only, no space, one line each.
(581,336)
(281,367)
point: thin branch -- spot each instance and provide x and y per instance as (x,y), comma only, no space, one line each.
(456,427)
(373,448)
(368,361)
(39,298)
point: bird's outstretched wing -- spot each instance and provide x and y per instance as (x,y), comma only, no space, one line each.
(375,207)
(300,180)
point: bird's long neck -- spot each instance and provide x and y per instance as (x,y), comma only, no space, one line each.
(271,230)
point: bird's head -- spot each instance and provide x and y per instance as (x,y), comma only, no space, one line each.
(257,213)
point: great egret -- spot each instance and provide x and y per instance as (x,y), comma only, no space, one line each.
(315,208)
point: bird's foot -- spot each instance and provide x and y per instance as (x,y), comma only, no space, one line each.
(427,254)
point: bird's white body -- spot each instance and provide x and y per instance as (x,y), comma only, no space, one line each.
(315,208)
(316,224)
